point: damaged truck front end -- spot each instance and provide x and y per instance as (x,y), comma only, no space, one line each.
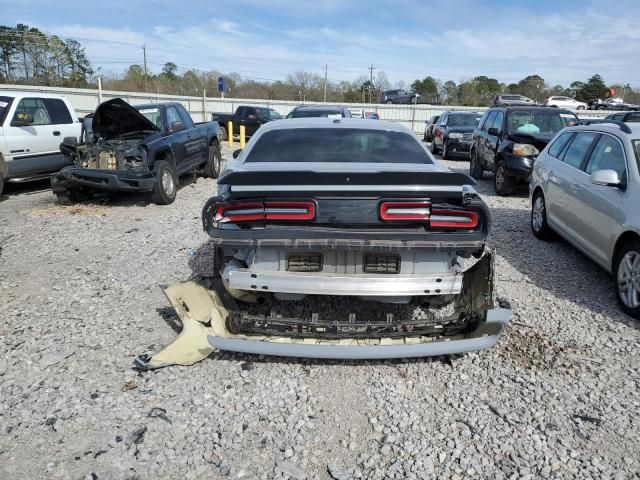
(112,155)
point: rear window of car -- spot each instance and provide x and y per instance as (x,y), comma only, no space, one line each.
(559,143)
(539,121)
(328,113)
(633,118)
(463,120)
(578,149)
(267,114)
(346,145)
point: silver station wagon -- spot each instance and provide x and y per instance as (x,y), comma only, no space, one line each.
(585,186)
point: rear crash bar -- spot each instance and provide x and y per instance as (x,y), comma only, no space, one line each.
(376,285)
(204,309)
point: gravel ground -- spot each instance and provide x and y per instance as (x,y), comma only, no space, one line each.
(557,398)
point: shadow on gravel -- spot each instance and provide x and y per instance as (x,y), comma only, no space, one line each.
(555,266)
(26,188)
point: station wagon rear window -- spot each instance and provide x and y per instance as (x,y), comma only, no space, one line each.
(348,145)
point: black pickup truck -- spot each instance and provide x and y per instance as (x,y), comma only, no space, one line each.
(141,148)
(251,117)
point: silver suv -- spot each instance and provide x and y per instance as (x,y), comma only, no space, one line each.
(585,186)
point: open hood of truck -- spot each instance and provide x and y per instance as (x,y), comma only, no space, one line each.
(116,117)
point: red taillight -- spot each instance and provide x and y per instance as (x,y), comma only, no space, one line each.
(405,211)
(264,211)
(460,219)
(239,212)
(290,211)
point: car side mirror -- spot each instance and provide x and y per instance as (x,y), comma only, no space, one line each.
(236,153)
(494,131)
(606,178)
(177,126)
(22,119)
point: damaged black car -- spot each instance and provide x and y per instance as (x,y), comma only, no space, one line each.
(141,148)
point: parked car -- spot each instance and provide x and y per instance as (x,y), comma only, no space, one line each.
(428,128)
(372,115)
(327,111)
(399,96)
(585,186)
(142,148)
(508,140)
(506,100)
(32,126)
(284,222)
(564,102)
(612,103)
(628,117)
(251,117)
(453,132)
(356,112)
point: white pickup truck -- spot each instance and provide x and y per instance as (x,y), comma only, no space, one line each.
(32,126)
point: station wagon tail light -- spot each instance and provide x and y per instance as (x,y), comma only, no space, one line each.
(290,211)
(525,150)
(405,211)
(456,219)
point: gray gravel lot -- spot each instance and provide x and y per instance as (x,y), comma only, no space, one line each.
(79,298)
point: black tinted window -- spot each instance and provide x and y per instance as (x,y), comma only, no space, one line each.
(633,118)
(348,145)
(463,120)
(578,149)
(488,122)
(558,144)
(334,112)
(58,111)
(498,121)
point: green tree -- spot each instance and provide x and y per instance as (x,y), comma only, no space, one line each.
(7,50)
(427,88)
(532,86)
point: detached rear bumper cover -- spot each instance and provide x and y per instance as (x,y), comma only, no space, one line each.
(204,312)
(108,180)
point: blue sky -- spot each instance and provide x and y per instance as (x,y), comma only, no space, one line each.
(507,39)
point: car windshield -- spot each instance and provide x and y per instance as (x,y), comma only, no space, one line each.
(348,145)
(4,106)
(464,120)
(267,114)
(541,121)
(152,114)
(305,113)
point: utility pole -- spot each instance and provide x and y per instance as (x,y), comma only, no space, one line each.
(371,69)
(144,53)
(325,82)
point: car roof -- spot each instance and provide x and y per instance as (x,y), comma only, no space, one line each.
(156,105)
(28,94)
(321,122)
(463,112)
(511,108)
(613,128)
(323,108)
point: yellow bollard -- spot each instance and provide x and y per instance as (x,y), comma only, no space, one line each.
(242,141)
(230,133)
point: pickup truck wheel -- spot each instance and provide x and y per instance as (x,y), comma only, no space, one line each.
(214,163)
(164,190)
(539,226)
(71,196)
(222,134)
(627,278)
(389,102)
(475,169)
(502,183)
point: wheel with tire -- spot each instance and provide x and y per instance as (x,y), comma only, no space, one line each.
(434,149)
(539,225)
(627,278)
(581,107)
(414,100)
(502,183)
(166,186)
(445,153)
(601,107)
(213,166)
(389,102)
(475,168)
(223,134)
